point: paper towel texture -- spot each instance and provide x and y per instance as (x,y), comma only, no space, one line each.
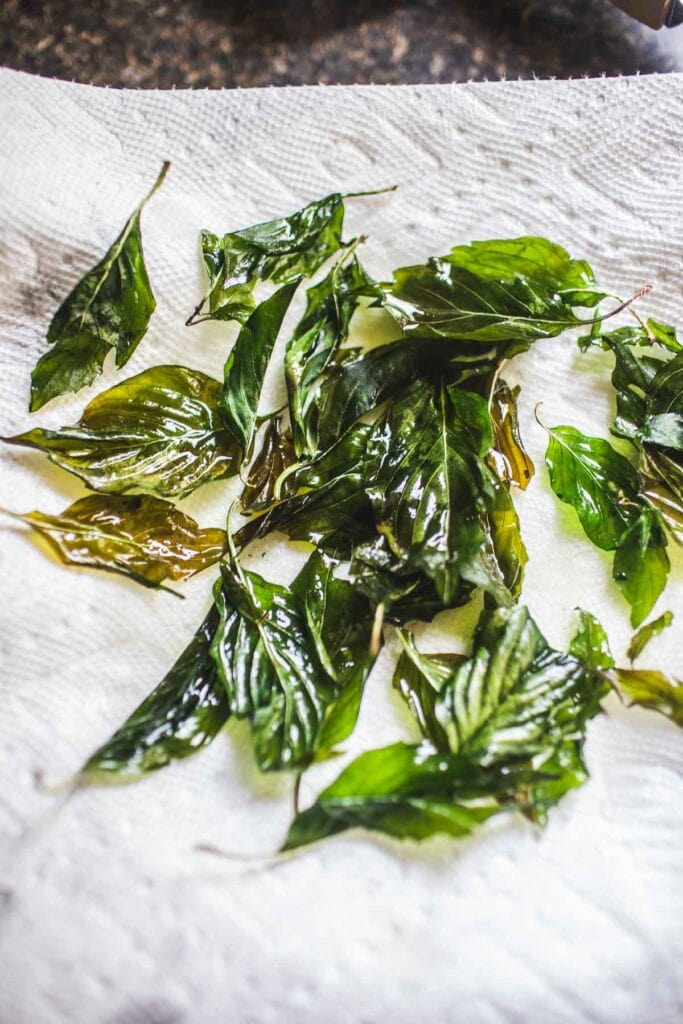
(108,915)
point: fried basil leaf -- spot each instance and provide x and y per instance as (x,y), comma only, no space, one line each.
(646,633)
(145,538)
(159,431)
(641,564)
(654,690)
(660,476)
(270,666)
(590,643)
(514,290)
(510,458)
(109,308)
(182,715)
(418,678)
(318,338)
(274,457)
(247,363)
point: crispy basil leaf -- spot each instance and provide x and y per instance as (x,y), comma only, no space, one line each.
(419,678)
(641,564)
(159,431)
(590,643)
(145,538)
(514,290)
(646,633)
(510,458)
(247,363)
(109,308)
(276,454)
(654,690)
(660,476)
(599,483)
(431,490)
(318,338)
(271,668)
(182,715)
(664,429)
(664,335)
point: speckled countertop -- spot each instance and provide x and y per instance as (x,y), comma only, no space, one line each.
(217,43)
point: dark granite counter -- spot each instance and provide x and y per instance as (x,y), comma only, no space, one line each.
(166,43)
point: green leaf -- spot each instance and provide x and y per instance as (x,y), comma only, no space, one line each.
(429,492)
(182,715)
(641,564)
(418,678)
(646,633)
(665,390)
(665,429)
(664,335)
(247,363)
(510,458)
(275,455)
(109,308)
(278,250)
(271,669)
(598,482)
(318,338)
(159,431)
(653,690)
(590,643)
(514,290)
(142,537)
(660,476)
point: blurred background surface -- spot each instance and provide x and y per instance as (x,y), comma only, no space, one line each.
(216,43)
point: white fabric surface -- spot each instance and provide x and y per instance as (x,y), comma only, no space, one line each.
(108,915)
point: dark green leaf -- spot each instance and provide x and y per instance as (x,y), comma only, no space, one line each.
(247,363)
(271,669)
(510,458)
(601,485)
(590,643)
(660,476)
(145,538)
(276,455)
(159,431)
(640,639)
(109,308)
(653,690)
(182,715)
(664,429)
(665,390)
(385,579)
(514,290)
(641,564)
(419,678)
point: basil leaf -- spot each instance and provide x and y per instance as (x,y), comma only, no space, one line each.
(386,579)
(641,564)
(278,250)
(247,363)
(510,458)
(276,455)
(646,633)
(419,678)
(182,715)
(318,337)
(660,475)
(664,429)
(142,537)
(598,482)
(109,308)
(271,669)
(514,290)
(158,431)
(653,690)
(590,643)
(664,335)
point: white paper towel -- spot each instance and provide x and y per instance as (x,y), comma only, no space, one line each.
(108,916)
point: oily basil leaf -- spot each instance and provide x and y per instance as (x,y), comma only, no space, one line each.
(665,429)
(271,668)
(182,715)
(274,457)
(318,338)
(665,390)
(109,308)
(419,678)
(510,458)
(599,483)
(145,538)
(515,291)
(279,250)
(159,431)
(660,477)
(641,564)
(631,378)
(654,690)
(429,492)
(247,363)
(409,792)
(590,643)
(352,389)
(663,334)
(646,633)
